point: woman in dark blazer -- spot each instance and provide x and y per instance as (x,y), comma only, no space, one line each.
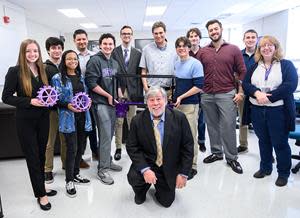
(270,85)
(32,117)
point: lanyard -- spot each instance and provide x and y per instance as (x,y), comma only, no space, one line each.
(268,71)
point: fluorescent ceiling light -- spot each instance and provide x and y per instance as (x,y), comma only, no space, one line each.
(89,25)
(72,12)
(238,8)
(155,10)
(148,23)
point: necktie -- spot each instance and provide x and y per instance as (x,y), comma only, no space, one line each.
(159,157)
(126,58)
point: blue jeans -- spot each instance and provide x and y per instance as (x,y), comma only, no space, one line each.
(201,128)
(269,126)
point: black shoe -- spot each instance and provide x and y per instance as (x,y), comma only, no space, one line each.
(192,173)
(202,147)
(242,149)
(70,189)
(235,166)
(212,158)
(139,199)
(79,180)
(280,181)
(260,174)
(51,193)
(44,207)
(48,177)
(117,155)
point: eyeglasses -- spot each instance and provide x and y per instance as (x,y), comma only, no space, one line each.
(267,45)
(126,34)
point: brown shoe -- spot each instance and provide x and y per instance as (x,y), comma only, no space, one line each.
(84,164)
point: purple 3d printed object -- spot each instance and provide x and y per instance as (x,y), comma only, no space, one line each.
(123,106)
(47,95)
(81,101)
(121,109)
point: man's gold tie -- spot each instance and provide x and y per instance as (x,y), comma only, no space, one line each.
(159,157)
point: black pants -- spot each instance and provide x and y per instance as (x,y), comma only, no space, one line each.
(33,137)
(164,194)
(75,145)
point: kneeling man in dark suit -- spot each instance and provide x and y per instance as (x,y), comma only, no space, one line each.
(160,145)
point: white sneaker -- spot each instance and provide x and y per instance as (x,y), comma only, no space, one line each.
(70,189)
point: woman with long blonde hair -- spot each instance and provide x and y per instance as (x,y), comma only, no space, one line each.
(32,117)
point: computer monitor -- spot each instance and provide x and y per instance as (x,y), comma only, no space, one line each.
(141,43)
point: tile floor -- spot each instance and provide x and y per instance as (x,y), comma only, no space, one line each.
(215,192)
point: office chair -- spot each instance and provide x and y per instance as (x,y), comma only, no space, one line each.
(296,135)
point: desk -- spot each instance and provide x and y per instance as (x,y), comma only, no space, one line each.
(9,143)
(9,146)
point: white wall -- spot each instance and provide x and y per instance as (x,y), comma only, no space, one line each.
(13,33)
(40,33)
(11,36)
(293,46)
(275,25)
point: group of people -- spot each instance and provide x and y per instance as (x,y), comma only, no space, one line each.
(213,81)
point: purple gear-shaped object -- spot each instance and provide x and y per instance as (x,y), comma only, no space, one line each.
(47,95)
(81,101)
(121,109)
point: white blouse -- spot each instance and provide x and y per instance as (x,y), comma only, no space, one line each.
(267,84)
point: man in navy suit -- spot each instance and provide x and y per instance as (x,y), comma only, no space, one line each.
(128,59)
(160,145)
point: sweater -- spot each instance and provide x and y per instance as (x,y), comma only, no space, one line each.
(284,91)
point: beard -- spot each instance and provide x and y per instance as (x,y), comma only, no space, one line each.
(157,113)
(217,39)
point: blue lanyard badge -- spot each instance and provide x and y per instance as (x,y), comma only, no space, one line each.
(268,71)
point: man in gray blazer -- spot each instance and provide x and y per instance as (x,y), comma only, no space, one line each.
(128,58)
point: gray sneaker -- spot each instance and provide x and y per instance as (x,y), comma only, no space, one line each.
(115,167)
(105,177)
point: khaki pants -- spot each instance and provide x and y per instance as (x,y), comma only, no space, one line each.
(53,127)
(243,137)
(119,123)
(191,113)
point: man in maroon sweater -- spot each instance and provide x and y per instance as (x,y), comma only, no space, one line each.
(221,61)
